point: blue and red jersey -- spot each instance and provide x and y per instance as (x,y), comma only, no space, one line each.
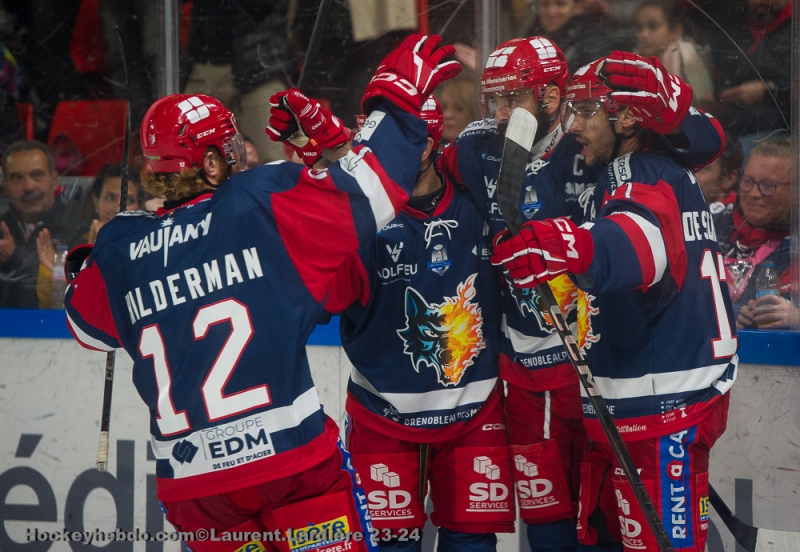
(215,299)
(420,319)
(657,325)
(557,183)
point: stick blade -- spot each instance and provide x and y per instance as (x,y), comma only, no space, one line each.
(522,126)
(777,541)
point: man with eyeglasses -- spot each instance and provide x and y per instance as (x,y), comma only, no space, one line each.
(543,406)
(758,230)
(655,320)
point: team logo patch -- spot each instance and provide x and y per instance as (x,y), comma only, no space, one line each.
(530,202)
(446,337)
(439,262)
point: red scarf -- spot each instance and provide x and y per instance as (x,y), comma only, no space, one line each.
(750,236)
(758,32)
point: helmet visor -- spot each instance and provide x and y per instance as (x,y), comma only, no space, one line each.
(505,102)
(584,113)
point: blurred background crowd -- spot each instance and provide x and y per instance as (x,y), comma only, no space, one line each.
(63,97)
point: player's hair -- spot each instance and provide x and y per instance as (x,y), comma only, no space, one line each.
(175,186)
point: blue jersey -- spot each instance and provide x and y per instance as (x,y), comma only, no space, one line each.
(214,300)
(420,322)
(557,183)
(658,328)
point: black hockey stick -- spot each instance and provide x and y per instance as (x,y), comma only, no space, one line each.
(516,148)
(751,538)
(108,387)
(314,43)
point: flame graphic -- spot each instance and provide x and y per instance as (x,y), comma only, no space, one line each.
(586,334)
(565,291)
(464,335)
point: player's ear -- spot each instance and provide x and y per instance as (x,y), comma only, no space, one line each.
(552,100)
(626,120)
(212,166)
(428,150)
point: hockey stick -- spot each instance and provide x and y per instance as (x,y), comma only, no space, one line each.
(108,387)
(516,148)
(753,539)
(314,43)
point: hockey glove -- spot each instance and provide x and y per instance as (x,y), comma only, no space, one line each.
(542,250)
(300,120)
(408,75)
(75,259)
(309,154)
(657,99)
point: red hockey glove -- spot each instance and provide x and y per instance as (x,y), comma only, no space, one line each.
(542,250)
(300,120)
(408,75)
(657,99)
(309,154)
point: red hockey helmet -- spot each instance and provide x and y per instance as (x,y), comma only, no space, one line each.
(177,129)
(432,114)
(588,86)
(523,63)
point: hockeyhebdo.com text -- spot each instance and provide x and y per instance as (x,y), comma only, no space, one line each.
(202,535)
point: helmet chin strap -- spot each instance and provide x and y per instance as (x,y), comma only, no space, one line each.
(619,137)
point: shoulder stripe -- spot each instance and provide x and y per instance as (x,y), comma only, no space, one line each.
(647,241)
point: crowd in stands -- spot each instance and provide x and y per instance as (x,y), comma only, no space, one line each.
(54,61)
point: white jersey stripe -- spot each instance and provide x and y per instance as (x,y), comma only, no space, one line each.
(85,339)
(441,399)
(655,240)
(369,182)
(253,432)
(680,381)
(531,345)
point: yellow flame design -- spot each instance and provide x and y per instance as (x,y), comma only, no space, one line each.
(464,336)
(586,334)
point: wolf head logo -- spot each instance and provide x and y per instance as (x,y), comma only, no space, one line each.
(529,301)
(446,337)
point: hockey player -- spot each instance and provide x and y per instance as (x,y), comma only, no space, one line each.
(215,295)
(657,327)
(421,323)
(543,404)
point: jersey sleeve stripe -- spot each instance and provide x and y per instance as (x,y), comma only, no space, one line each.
(648,243)
(385,197)
(89,316)
(85,339)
